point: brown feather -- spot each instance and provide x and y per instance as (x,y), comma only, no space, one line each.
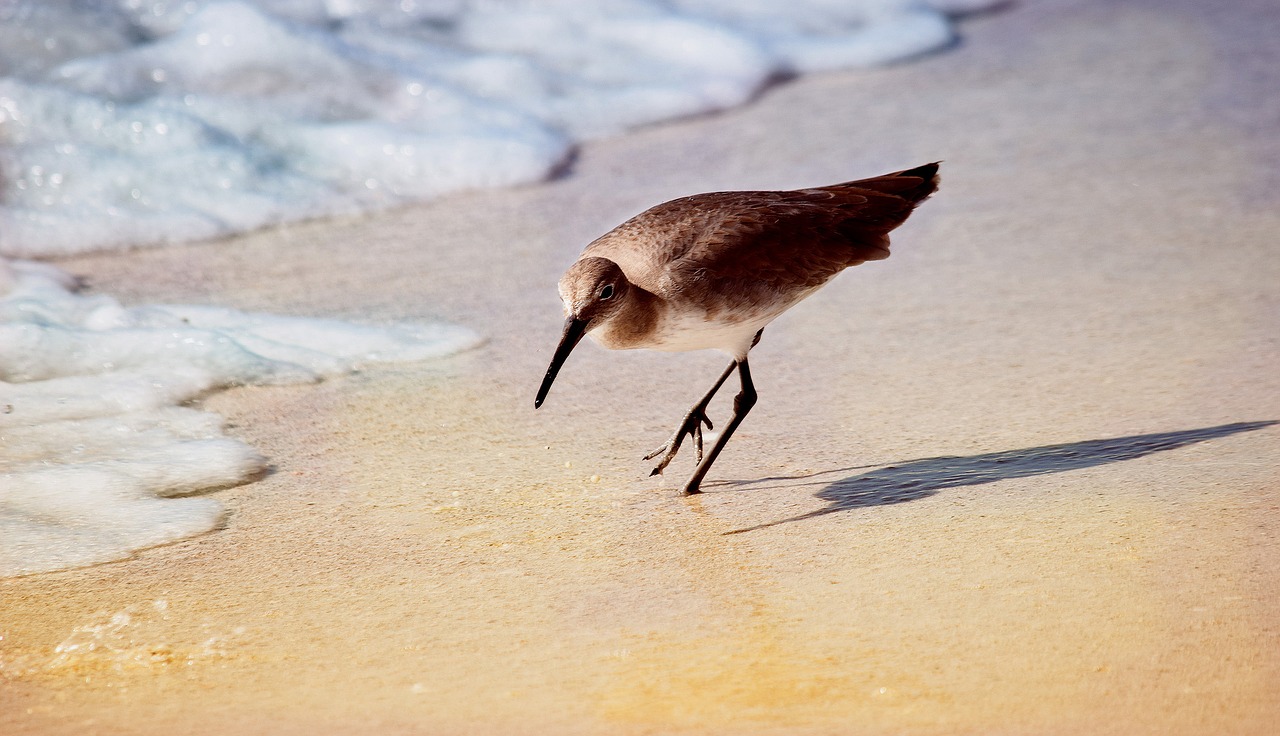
(729,241)
(712,271)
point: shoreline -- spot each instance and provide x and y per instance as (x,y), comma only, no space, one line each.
(430,555)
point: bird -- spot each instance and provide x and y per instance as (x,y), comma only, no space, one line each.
(711,271)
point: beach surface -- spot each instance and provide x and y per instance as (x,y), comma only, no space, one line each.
(1021,477)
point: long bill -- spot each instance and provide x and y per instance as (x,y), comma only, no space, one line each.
(574,329)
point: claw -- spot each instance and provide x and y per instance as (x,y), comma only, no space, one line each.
(697,433)
(691,426)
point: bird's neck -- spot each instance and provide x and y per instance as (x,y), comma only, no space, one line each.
(634,324)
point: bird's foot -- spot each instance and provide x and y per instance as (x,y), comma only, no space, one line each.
(692,425)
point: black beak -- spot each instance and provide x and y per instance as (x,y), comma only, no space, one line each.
(574,329)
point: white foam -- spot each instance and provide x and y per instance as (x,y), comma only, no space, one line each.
(145,121)
(93,442)
(112,646)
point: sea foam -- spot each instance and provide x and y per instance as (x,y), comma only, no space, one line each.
(135,122)
(97,456)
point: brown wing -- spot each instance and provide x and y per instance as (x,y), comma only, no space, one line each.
(744,247)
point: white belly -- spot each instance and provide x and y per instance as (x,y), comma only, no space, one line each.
(682,332)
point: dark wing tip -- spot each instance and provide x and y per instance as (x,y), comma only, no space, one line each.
(929,174)
(926,172)
(914,185)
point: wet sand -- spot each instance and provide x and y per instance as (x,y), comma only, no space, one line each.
(1018,478)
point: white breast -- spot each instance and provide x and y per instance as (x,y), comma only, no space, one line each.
(682,331)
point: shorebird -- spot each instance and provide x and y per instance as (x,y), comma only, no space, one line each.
(712,270)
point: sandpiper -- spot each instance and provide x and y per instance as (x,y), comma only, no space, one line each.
(712,270)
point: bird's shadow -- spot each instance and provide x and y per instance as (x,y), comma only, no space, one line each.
(917,479)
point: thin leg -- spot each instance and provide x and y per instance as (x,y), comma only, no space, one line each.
(697,416)
(742,404)
(690,425)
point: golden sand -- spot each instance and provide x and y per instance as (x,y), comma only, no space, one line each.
(431,556)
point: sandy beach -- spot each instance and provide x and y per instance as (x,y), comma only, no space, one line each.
(1021,477)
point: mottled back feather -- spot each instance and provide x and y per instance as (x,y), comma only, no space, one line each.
(739,250)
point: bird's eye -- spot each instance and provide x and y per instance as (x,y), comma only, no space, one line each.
(606,292)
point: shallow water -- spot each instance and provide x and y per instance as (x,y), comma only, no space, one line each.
(95,443)
(134,123)
(142,122)
(434,557)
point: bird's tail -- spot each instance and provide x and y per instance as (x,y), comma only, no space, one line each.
(883,203)
(914,185)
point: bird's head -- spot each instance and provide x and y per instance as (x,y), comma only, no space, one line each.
(592,290)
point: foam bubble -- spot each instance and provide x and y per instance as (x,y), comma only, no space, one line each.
(140,122)
(99,459)
(112,645)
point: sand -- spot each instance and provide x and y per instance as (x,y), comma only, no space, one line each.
(1015,479)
